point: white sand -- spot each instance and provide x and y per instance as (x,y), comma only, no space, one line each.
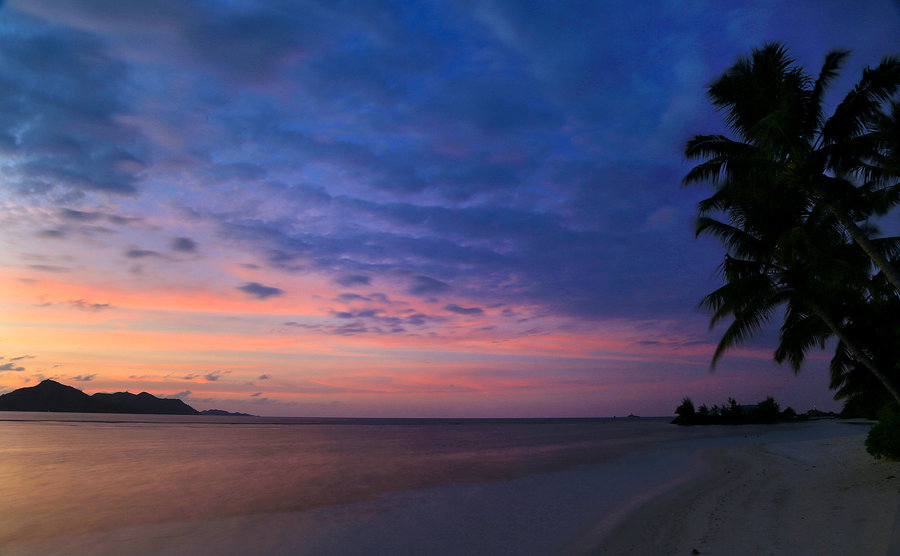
(816,497)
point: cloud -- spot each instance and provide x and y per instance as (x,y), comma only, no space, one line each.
(213,376)
(425,285)
(88,306)
(454,308)
(79,215)
(19,358)
(536,118)
(351,329)
(141,253)
(51,234)
(10,367)
(264,377)
(256,394)
(49,268)
(184,245)
(350,280)
(84,219)
(259,291)
(418,319)
(180,395)
(84,378)
(362,313)
(237,171)
(64,91)
(246,46)
(353,297)
(124,220)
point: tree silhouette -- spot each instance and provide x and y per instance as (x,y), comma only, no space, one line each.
(792,186)
(847,162)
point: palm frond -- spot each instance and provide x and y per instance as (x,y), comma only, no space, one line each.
(833,62)
(744,93)
(711,172)
(740,330)
(800,332)
(715,146)
(857,111)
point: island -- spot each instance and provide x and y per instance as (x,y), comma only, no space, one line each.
(223,413)
(50,395)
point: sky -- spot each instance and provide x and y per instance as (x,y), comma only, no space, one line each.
(381,209)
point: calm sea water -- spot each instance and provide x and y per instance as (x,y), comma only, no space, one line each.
(73,483)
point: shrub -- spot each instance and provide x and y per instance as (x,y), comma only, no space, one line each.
(732,413)
(766,411)
(685,412)
(884,438)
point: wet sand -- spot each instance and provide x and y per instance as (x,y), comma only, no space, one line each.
(816,497)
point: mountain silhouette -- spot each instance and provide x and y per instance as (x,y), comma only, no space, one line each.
(50,395)
(146,403)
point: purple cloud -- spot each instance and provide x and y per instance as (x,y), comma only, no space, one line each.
(454,308)
(351,280)
(79,215)
(141,253)
(257,290)
(184,245)
(425,285)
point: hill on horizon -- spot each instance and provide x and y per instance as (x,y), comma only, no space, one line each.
(50,395)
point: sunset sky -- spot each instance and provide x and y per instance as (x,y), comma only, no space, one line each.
(333,208)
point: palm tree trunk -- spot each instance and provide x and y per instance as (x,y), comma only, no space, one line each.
(857,353)
(863,241)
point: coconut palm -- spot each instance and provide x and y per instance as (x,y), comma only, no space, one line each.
(875,321)
(793,185)
(810,276)
(887,134)
(843,163)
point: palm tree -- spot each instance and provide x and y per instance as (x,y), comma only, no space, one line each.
(811,274)
(793,186)
(776,112)
(887,135)
(876,322)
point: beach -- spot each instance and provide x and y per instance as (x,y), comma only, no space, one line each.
(816,497)
(110,485)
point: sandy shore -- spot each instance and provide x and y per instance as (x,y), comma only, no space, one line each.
(804,488)
(816,497)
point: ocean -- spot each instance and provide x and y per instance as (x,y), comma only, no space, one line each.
(140,484)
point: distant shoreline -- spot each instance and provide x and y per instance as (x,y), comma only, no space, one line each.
(264,420)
